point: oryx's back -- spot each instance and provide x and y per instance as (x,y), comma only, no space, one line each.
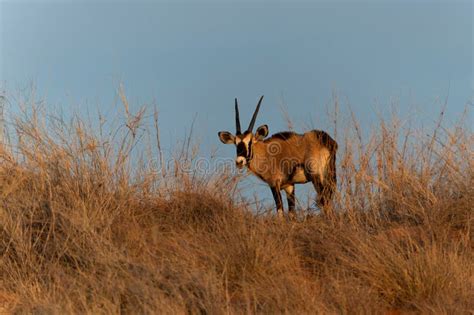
(302,146)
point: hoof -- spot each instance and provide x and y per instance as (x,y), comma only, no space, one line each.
(280,214)
(292,216)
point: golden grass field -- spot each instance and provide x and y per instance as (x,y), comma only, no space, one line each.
(88,227)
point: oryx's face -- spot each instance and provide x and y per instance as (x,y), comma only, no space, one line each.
(243,144)
(244,141)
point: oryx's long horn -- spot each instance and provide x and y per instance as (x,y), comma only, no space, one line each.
(254,117)
(237,118)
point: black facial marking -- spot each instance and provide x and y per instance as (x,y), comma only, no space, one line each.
(241,150)
(249,153)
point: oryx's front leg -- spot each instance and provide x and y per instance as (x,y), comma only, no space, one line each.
(277,196)
(290,196)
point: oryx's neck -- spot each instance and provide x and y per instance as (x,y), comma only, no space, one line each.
(259,162)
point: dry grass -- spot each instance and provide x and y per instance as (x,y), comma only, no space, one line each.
(85,227)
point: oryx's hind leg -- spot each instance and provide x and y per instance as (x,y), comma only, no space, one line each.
(324,191)
(322,173)
(290,196)
(319,187)
(330,179)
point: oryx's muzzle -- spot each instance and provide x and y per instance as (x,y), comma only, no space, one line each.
(240,161)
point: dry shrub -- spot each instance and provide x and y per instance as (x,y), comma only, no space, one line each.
(87,227)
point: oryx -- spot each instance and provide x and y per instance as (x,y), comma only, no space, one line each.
(285,159)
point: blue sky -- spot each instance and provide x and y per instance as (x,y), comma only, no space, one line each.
(196,56)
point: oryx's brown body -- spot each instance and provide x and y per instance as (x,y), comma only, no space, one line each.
(294,158)
(286,159)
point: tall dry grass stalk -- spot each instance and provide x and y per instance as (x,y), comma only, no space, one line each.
(88,226)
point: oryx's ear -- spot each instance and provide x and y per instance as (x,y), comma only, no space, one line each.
(261,132)
(226,137)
